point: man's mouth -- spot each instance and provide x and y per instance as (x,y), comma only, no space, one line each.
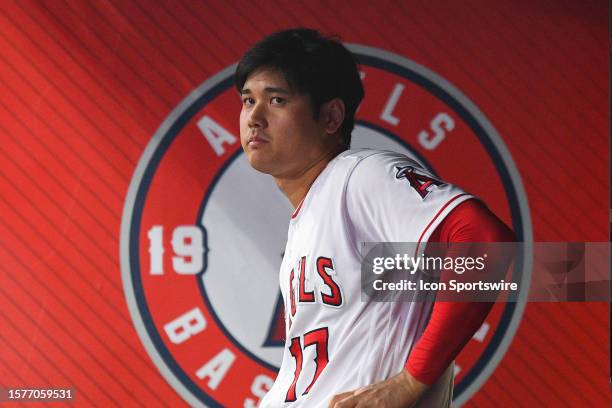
(256,140)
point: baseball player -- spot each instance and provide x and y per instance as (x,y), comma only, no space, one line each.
(299,94)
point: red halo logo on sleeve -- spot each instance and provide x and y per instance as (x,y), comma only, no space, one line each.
(202,233)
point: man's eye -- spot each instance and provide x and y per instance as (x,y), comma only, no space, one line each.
(277,100)
(248,101)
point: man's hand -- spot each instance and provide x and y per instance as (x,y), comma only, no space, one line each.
(400,391)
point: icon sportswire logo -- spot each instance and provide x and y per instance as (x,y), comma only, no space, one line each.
(202,234)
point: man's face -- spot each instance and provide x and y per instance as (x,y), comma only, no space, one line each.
(278,130)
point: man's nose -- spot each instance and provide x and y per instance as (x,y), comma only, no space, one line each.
(257,117)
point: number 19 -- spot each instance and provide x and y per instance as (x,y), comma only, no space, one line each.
(187,244)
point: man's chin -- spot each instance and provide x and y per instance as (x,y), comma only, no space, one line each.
(262,166)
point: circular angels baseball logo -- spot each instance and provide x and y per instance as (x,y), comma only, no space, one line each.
(202,233)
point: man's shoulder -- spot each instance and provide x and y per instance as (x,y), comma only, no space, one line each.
(366,171)
(376,158)
(372,154)
(367,165)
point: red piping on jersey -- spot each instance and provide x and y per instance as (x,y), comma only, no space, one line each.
(416,251)
(297,210)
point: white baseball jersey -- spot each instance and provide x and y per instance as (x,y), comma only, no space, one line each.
(335,341)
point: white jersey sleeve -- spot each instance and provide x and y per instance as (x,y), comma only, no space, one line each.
(391,198)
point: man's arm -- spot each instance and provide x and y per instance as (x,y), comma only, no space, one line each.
(450,327)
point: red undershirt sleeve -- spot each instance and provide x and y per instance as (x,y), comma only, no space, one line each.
(452,324)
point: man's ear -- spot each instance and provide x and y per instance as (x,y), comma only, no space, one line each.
(332,114)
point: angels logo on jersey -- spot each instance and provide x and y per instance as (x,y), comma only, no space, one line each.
(419,182)
(203,233)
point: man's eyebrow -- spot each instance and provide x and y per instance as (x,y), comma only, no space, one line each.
(271,89)
(268,89)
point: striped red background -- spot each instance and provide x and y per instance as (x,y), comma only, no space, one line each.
(84,85)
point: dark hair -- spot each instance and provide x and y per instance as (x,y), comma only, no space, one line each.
(318,66)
